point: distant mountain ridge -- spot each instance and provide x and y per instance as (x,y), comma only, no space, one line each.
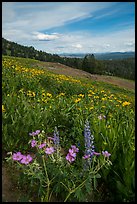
(102,56)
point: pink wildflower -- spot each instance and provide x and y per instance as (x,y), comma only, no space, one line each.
(74,148)
(17,156)
(42,145)
(106,154)
(26,159)
(86,156)
(49,150)
(34,133)
(70,158)
(72,153)
(33,143)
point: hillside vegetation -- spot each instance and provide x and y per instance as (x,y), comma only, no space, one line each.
(38,96)
(124,68)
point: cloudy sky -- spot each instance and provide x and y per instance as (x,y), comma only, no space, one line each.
(70,27)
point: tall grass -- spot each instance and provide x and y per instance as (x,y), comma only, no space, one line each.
(33,98)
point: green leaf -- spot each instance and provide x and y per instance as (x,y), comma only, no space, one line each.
(97,176)
(95,182)
(88,186)
(78,194)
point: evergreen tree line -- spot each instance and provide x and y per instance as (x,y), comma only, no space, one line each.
(124,68)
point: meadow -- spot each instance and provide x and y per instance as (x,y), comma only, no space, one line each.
(34,98)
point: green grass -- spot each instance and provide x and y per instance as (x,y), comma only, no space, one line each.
(34,98)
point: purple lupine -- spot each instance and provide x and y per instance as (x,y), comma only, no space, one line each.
(106,153)
(49,150)
(26,159)
(33,143)
(56,138)
(89,147)
(34,133)
(17,156)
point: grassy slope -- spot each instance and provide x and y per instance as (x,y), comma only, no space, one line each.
(68,71)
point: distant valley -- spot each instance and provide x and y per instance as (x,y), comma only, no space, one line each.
(102,56)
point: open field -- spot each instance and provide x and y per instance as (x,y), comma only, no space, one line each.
(41,96)
(63,69)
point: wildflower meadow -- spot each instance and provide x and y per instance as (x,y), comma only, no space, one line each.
(67,136)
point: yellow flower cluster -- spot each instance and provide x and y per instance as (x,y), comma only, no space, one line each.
(49,95)
(18,67)
(33,71)
(126,103)
(31,94)
(61,77)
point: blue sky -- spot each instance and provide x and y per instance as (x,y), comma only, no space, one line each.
(71,27)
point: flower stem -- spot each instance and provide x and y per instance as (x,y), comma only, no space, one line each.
(48,181)
(67,196)
(72,191)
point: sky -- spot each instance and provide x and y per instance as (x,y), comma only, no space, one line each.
(71,27)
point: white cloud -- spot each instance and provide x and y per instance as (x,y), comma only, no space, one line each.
(130,43)
(79,46)
(24,22)
(41,36)
(85,42)
(30,18)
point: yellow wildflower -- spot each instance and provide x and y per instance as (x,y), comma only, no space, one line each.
(96,96)
(77,100)
(49,95)
(104,99)
(33,94)
(119,101)
(62,94)
(43,94)
(81,95)
(125,103)
(3,109)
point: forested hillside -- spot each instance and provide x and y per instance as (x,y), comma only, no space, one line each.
(124,68)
